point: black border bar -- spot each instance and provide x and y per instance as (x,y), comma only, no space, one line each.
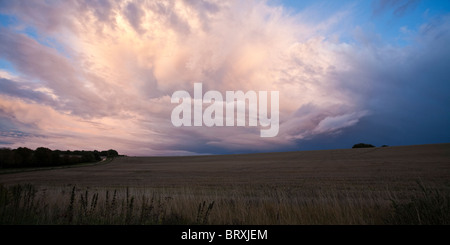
(273,234)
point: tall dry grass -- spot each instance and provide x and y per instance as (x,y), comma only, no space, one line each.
(260,205)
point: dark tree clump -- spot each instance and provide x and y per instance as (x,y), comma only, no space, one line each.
(44,157)
(363,145)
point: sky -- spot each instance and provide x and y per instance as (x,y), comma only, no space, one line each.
(86,75)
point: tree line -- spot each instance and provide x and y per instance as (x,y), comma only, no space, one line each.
(44,157)
(364,145)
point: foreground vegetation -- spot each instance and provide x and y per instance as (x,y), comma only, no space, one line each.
(26,204)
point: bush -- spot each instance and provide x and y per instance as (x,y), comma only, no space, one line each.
(362,145)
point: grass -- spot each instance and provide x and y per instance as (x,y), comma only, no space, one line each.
(428,207)
(25,204)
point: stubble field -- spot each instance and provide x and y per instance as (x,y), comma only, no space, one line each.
(388,185)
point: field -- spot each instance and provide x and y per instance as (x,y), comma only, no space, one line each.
(387,185)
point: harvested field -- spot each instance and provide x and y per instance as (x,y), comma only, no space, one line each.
(350,186)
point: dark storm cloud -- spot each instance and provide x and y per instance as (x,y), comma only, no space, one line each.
(406,93)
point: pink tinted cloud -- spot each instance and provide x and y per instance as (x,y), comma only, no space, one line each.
(125,60)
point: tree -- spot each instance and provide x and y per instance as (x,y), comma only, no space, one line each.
(87,158)
(6,158)
(23,156)
(112,153)
(43,156)
(362,145)
(97,156)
